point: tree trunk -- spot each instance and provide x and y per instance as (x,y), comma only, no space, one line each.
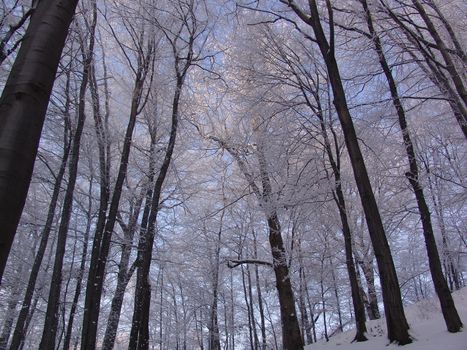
(260,297)
(139,337)
(82,268)
(248,310)
(214,336)
(306,326)
(339,199)
(450,268)
(292,340)
(51,318)
(101,246)
(291,336)
(395,318)
(451,317)
(124,271)
(23,106)
(10,312)
(252,308)
(336,294)
(372,302)
(20,328)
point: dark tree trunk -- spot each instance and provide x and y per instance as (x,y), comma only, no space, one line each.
(51,318)
(20,328)
(124,275)
(252,308)
(248,310)
(23,106)
(436,72)
(10,312)
(81,271)
(395,318)
(260,297)
(372,300)
(336,295)
(291,337)
(338,195)
(101,246)
(124,271)
(139,337)
(450,66)
(214,336)
(451,317)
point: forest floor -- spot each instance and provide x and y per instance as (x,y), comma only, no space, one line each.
(427,330)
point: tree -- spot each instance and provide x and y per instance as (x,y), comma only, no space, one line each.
(451,317)
(438,60)
(181,42)
(144,54)
(395,317)
(20,330)
(23,105)
(51,318)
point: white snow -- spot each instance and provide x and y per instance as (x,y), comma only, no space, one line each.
(427,329)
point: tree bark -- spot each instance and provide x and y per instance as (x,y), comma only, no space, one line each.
(102,245)
(20,327)
(395,318)
(260,297)
(451,317)
(339,199)
(436,72)
(10,312)
(51,318)
(23,106)
(291,337)
(81,272)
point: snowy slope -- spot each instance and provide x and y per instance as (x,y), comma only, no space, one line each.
(427,329)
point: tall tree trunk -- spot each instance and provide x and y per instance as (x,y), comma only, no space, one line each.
(366,265)
(339,199)
(139,337)
(451,317)
(10,312)
(450,268)
(214,336)
(23,106)
(323,301)
(51,317)
(305,321)
(260,297)
(291,336)
(395,318)
(436,72)
(81,271)
(252,309)
(20,328)
(248,310)
(124,271)
(101,246)
(336,295)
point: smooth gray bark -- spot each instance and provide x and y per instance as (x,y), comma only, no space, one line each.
(23,106)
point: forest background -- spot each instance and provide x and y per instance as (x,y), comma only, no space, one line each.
(221,174)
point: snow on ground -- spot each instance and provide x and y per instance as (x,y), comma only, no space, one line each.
(427,329)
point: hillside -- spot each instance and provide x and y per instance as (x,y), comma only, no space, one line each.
(427,329)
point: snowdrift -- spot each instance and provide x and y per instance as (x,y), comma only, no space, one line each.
(427,330)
